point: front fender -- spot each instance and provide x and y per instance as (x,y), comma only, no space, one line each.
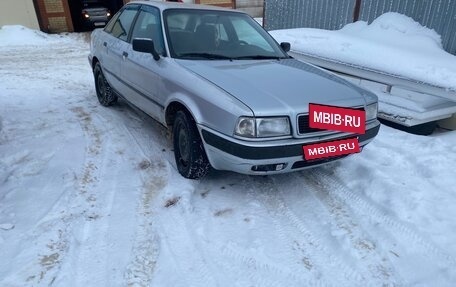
(209,105)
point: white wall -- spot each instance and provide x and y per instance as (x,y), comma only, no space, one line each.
(18,12)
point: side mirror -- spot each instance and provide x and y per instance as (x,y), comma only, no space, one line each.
(145,46)
(285,46)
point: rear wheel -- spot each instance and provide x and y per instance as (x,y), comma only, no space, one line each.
(191,159)
(105,94)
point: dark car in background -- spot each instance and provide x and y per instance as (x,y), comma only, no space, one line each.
(95,17)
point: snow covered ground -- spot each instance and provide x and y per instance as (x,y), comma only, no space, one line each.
(90,196)
(393,44)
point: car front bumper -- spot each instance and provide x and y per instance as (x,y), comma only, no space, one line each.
(95,22)
(225,153)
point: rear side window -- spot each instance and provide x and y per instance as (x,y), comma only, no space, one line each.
(121,27)
(110,24)
(148,25)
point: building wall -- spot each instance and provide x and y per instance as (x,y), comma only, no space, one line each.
(55,16)
(18,12)
(253,7)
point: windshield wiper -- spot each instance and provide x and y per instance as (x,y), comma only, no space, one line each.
(258,57)
(205,56)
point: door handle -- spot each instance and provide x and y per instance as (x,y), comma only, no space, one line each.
(124,55)
(105,44)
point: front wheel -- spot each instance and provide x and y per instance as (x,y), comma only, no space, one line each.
(105,94)
(191,159)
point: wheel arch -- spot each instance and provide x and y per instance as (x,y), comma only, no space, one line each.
(177,105)
(94,62)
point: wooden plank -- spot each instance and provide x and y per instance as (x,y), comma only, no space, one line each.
(220,3)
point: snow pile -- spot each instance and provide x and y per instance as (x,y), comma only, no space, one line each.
(16,35)
(393,44)
(394,29)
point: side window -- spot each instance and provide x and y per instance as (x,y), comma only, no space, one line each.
(148,25)
(248,34)
(110,25)
(122,25)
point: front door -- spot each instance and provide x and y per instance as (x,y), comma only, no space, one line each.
(140,71)
(115,46)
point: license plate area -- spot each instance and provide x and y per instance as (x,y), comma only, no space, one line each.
(337,118)
(331,149)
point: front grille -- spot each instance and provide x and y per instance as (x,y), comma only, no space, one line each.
(303,123)
(307,163)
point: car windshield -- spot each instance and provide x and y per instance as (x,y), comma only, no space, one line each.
(217,35)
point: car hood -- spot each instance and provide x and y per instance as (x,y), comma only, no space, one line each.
(273,87)
(100,11)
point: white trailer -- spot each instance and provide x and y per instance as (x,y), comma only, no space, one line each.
(403,101)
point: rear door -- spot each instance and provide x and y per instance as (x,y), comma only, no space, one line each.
(114,45)
(140,71)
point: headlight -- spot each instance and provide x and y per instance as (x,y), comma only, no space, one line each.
(263,127)
(245,127)
(272,127)
(371,111)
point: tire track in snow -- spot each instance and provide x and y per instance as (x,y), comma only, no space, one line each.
(272,272)
(235,266)
(90,174)
(364,208)
(162,171)
(99,186)
(51,233)
(282,215)
(312,240)
(298,249)
(221,265)
(72,210)
(146,247)
(59,228)
(193,261)
(359,241)
(195,270)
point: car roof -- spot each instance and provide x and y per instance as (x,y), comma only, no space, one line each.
(163,5)
(94,8)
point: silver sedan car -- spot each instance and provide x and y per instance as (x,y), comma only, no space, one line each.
(231,95)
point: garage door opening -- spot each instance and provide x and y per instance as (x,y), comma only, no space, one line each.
(87,15)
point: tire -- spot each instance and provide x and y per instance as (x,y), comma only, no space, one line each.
(105,94)
(191,159)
